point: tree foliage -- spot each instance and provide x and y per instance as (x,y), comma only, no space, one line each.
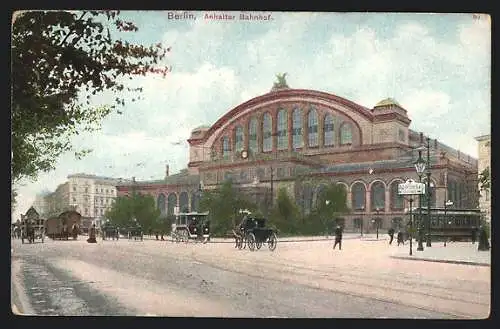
(58,58)
(138,206)
(285,213)
(331,203)
(224,204)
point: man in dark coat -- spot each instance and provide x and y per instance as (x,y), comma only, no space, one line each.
(391,235)
(474,234)
(338,237)
(400,238)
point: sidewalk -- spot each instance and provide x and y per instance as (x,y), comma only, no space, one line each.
(454,252)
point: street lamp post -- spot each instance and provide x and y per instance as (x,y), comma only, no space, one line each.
(411,227)
(428,193)
(362,220)
(377,210)
(446,205)
(420,168)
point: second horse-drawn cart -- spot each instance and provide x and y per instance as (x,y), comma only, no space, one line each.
(253,232)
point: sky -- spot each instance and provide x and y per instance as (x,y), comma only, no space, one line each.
(437,66)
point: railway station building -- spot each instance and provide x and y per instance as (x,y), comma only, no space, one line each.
(303,140)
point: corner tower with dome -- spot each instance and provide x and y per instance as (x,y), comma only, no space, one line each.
(303,140)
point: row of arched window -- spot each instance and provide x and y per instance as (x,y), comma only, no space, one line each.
(331,125)
(166,205)
(308,196)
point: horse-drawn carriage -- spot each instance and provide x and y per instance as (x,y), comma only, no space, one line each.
(253,232)
(110,232)
(191,226)
(135,232)
(64,226)
(32,226)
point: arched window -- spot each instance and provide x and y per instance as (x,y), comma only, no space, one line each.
(171,203)
(252,135)
(397,201)
(282,130)
(297,140)
(226,147)
(345,134)
(238,138)
(184,202)
(267,132)
(328,131)
(358,194)
(312,126)
(307,194)
(195,201)
(161,203)
(378,196)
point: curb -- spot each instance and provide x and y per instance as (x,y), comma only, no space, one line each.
(460,262)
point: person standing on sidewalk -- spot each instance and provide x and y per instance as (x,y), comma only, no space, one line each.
(391,235)
(338,237)
(400,238)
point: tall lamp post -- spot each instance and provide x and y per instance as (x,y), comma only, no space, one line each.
(428,192)
(362,219)
(447,204)
(377,221)
(420,168)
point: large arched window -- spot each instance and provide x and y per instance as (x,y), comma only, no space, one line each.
(184,202)
(312,128)
(397,201)
(307,194)
(171,203)
(267,132)
(358,195)
(226,147)
(238,138)
(252,135)
(346,133)
(282,130)
(328,131)
(161,203)
(378,196)
(297,140)
(195,201)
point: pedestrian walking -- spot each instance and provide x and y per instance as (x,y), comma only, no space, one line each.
(400,238)
(391,235)
(338,237)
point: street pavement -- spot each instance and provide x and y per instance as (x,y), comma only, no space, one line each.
(298,279)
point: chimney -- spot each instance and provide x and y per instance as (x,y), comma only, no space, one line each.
(166,171)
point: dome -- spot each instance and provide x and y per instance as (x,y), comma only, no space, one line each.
(387,102)
(202,127)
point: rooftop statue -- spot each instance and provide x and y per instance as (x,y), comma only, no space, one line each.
(281,82)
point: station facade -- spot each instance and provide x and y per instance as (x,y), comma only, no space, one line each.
(303,140)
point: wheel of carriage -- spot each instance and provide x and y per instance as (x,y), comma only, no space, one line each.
(272,241)
(251,241)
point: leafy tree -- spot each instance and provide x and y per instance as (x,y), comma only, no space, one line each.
(138,206)
(285,213)
(224,204)
(58,58)
(331,203)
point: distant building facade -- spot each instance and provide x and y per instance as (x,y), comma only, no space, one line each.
(484,153)
(303,140)
(90,195)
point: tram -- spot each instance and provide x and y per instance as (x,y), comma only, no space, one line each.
(450,224)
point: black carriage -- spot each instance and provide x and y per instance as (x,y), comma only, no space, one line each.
(109,232)
(191,226)
(253,232)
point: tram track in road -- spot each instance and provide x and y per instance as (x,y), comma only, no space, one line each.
(453,313)
(457,303)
